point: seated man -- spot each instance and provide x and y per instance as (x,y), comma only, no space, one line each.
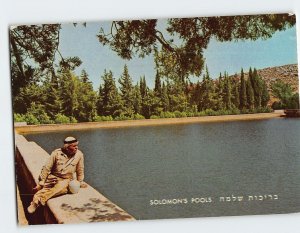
(57,173)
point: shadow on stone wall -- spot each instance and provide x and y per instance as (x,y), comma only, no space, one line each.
(98,210)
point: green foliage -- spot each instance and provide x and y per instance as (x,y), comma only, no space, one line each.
(61,119)
(103,118)
(127,93)
(228,92)
(250,93)
(138,117)
(38,112)
(44,92)
(209,112)
(154,117)
(167,115)
(73,120)
(19,117)
(207,97)
(184,58)
(87,99)
(190,114)
(179,114)
(109,100)
(243,92)
(264,110)
(28,94)
(31,119)
(287,99)
(123,117)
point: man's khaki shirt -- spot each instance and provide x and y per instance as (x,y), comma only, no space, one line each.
(60,165)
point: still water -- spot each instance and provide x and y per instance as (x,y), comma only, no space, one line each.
(192,170)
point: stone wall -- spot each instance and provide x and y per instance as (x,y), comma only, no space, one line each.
(88,205)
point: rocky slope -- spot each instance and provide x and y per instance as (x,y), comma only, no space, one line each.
(286,73)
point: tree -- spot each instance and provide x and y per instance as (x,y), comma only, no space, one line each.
(243,92)
(187,37)
(236,95)
(265,96)
(250,94)
(257,85)
(33,50)
(53,101)
(220,93)
(109,103)
(37,43)
(208,96)
(165,98)
(284,93)
(137,100)
(87,100)
(127,92)
(228,94)
(29,94)
(157,87)
(69,93)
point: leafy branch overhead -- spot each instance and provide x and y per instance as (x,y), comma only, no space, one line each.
(185,39)
(33,54)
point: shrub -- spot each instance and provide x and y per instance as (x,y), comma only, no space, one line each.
(19,117)
(202,113)
(138,117)
(277,105)
(61,119)
(123,117)
(73,120)
(210,112)
(235,111)
(38,111)
(190,114)
(103,118)
(167,115)
(245,111)
(154,117)
(31,119)
(264,109)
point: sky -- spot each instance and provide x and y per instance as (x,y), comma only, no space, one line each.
(219,56)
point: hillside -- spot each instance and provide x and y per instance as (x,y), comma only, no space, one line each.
(286,73)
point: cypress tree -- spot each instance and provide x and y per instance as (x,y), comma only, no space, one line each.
(53,103)
(243,92)
(257,88)
(164,98)
(265,97)
(69,93)
(208,90)
(157,87)
(111,100)
(228,95)
(127,94)
(220,93)
(87,103)
(250,94)
(236,95)
(143,86)
(137,103)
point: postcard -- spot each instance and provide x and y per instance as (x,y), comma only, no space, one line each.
(156,118)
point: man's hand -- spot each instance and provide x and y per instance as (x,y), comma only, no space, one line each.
(51,181)
(83,185)
(37,188)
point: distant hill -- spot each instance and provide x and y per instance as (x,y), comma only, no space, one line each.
(286,73)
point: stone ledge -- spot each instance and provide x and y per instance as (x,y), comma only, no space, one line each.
(86,206)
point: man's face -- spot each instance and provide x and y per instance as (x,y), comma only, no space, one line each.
(72,148)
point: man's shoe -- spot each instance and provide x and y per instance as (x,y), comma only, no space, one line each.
(32,208)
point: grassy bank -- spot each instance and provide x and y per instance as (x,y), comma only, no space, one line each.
(144,122)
